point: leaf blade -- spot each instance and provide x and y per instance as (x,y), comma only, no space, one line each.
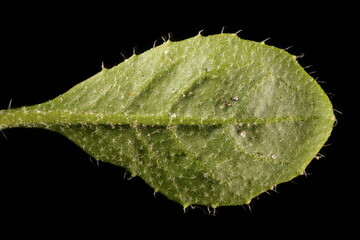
(209,120)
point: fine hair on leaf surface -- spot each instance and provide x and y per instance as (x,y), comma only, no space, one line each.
(213,120)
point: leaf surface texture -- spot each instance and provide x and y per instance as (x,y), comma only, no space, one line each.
(213,120)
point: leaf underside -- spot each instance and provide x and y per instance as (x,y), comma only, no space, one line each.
(213,120)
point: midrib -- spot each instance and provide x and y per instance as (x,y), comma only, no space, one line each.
(35,118)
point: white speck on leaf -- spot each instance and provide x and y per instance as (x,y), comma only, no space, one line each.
(243,133)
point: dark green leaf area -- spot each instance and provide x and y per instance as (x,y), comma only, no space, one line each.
(208,165)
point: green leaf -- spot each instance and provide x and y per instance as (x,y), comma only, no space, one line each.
(213,120)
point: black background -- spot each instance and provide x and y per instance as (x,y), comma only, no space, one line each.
(50,186)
